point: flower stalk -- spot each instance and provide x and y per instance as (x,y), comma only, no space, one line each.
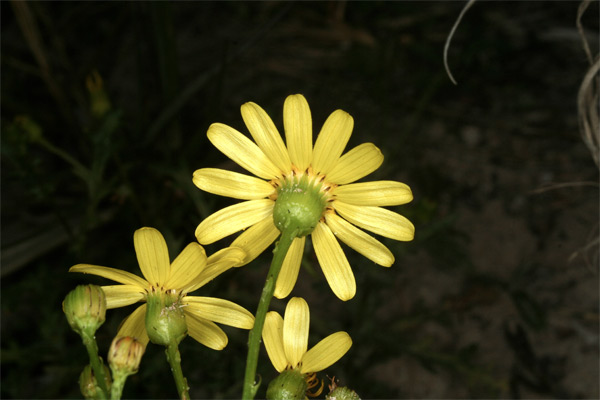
(96,362)
(279,253)
(174,358)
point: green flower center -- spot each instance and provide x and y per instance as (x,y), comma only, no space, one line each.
(300,204)
(165,320)
(289,385)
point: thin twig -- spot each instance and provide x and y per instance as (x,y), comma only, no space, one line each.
(586,47)
(554,186)
(449,38)
(587,105)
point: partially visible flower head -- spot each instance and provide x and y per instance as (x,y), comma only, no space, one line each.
(167,282)
(309,188)
(89,385)
(286,341)
(99,102)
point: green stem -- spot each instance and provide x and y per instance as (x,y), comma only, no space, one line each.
(96,362)
(116,390)
(64,155)
(281,249)
(174,359)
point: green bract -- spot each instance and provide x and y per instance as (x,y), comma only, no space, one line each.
(342,393)
(289,385)
(300,203)
(165,320)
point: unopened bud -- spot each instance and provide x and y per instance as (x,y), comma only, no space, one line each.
(289,385)
(100,104)
(165,320)
(342,393)
(124,355)
(89,385)
(85,308)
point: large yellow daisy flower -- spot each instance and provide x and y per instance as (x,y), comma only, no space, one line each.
(285,174)
(188,272)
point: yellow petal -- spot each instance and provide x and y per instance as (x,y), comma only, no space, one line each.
(377,193)
(296,323)
(333,262)
(233,219)
(360,241)
(219,310)
(231,184)
(186,267)
(266,135)
(272,335)
(242,150)
(257,238)
(377,220)
(152,254)
(289,270)
(297,122)
(355,164)
(326,352)
(122,295)
(331,141)
(135,325)
(117,275)
(206,332)
(218,263)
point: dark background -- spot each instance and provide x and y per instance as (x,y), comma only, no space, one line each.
(496,297)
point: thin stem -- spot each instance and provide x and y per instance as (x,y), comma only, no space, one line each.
(79,167)
(116,390)
(96,362)
(281,249)
(174,359)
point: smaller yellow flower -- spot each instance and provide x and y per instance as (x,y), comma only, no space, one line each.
(286,341)
(188,272)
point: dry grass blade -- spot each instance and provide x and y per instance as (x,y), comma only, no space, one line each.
(29,28)
(449,38)
(580,11)
(587,105)
(587,97)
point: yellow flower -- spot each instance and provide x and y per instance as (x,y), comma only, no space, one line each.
(188,272)
(299,168)
(286,341)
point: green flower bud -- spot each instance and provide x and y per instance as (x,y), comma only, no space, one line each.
(88,384)
(289,385)
(85,308)
(124,355)
(342,393)
(300,203)
(165,320)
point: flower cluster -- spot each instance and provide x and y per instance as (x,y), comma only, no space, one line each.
(298,189)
